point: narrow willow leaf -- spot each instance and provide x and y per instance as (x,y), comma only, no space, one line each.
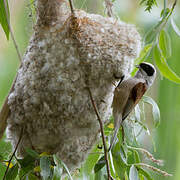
(61,163)
(58,169)
(3,18)
(163,66)
(45,165)
(32,153)
(12,173)
(145,173)
(142,57)
(165,43)
(100,175)
(151,35)
(165,12)
(119,160)
(100,164)
(174,26)
(155,109)
(133,173)
(136,156)
(91,160)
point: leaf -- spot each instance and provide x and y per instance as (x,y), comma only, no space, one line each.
(165,12)
(163,66)
(3,18)
(149,4)
(136,156)
(32,153)
(100,164)
(142,57)
(145,173)
(26,161)
(58,169)
(151,35)
(174,26)
(100,175)
(133,173)
(165,43)
(45,165)
(119,160)
(61,163)
(12,173)
(91,161)
(155,109)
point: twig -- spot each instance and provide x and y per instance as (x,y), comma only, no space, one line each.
(164,173)
(109,7)
(71,6)
(103,136)
(9,162)
(10,30)
(148,154)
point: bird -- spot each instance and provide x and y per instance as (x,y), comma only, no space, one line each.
(128,94)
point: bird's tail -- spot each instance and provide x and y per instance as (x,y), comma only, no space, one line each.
(117,123)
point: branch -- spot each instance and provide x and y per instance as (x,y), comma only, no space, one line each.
(9,162)
(103,136)
(10,30)
(164,173)
(71,6)
(109,8)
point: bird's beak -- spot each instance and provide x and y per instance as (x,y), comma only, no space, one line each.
(137,66)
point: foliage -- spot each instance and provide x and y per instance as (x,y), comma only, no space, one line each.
(149,4)
(125,158)
(3,18)
(157,42)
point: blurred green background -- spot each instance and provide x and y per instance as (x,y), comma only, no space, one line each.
(166,93)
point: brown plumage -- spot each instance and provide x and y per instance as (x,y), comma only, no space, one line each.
(128,94)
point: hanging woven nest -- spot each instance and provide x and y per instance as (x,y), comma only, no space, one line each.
(66,54)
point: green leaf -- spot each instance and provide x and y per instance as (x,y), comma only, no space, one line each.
(45,165)
(58,169)
(165,43)
(136,156)
(174,26)
(133,173)
(163,66)
(149,4)
(151,35)
(100,164)
(32,153)
(165,12)
(101,174)
(12,173)
(119,160)
(142,57)
(26,161)
(3,18)
(144,173)
(91,161)
(155,109)
(61,163)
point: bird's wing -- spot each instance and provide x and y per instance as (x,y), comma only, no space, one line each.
(135,95)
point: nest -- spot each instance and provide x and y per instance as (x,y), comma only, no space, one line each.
(50,100)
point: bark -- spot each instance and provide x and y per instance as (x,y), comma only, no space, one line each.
(67,54)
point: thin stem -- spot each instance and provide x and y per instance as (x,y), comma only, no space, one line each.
(103,136)
(9,162)
(109,5)
(164,173)
(10,30)
(71,6)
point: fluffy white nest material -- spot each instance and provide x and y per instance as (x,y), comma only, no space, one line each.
(50,99)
